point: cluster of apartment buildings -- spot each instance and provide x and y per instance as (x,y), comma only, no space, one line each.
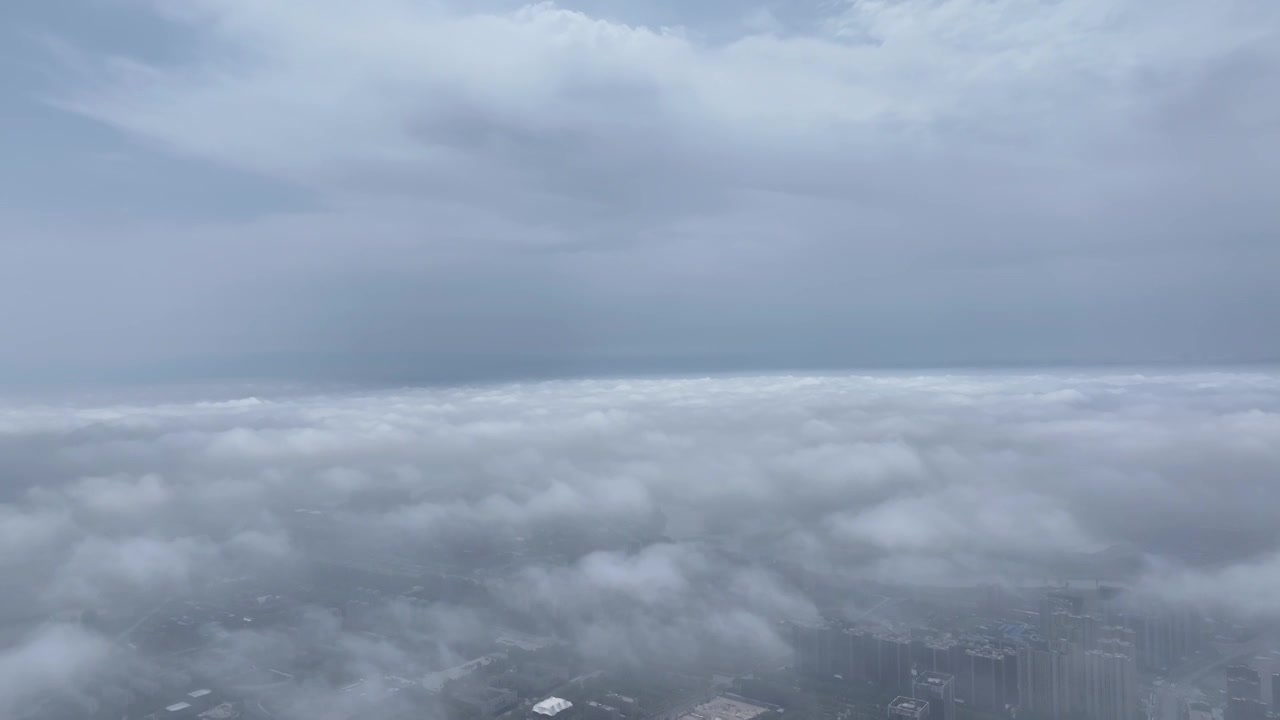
(1078,657)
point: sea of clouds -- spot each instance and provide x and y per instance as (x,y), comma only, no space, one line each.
(928,479)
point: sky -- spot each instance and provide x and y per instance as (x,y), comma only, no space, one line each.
(936,479)
(446,190)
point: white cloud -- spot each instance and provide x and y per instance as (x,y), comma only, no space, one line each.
(52,657)
(1026,461)
(500,112)
(508,190)
(912,478)
(140,497)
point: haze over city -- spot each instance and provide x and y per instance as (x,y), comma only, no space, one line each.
(620,360)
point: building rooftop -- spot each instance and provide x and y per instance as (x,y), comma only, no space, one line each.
(435,681)
(551,706)
(907,705)
(225,711)
(723,708)
(934,678)
(476,693)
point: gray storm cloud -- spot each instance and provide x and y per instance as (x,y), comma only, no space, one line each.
(934,479)
(460,190)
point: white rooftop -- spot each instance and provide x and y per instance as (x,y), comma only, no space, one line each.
(199,693)
(551,706)
(178,706)
(723,708)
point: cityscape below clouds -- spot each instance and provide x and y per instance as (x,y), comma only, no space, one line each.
(639,360)
(1071,544)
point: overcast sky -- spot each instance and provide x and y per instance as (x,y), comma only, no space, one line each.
(447,189)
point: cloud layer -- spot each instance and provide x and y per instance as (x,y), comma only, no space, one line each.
(689,504)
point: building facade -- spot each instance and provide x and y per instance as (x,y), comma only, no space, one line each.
(939,690)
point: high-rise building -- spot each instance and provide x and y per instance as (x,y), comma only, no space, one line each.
(811,644)
(1086,631)
(1044,681)
(843,654)
(864,656)
(905,708)
(1111,682)
(1075,662)
(1243,682)
(1164,636)
(893,663)
(1063,619)
(941,657)
(828,650)
(1194,710)
(1244,694)
(1010,677)
(939,689)
(989,678)
(1118,632)
(1275,692)
(1055,608)
(1239,708)
(930,655)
